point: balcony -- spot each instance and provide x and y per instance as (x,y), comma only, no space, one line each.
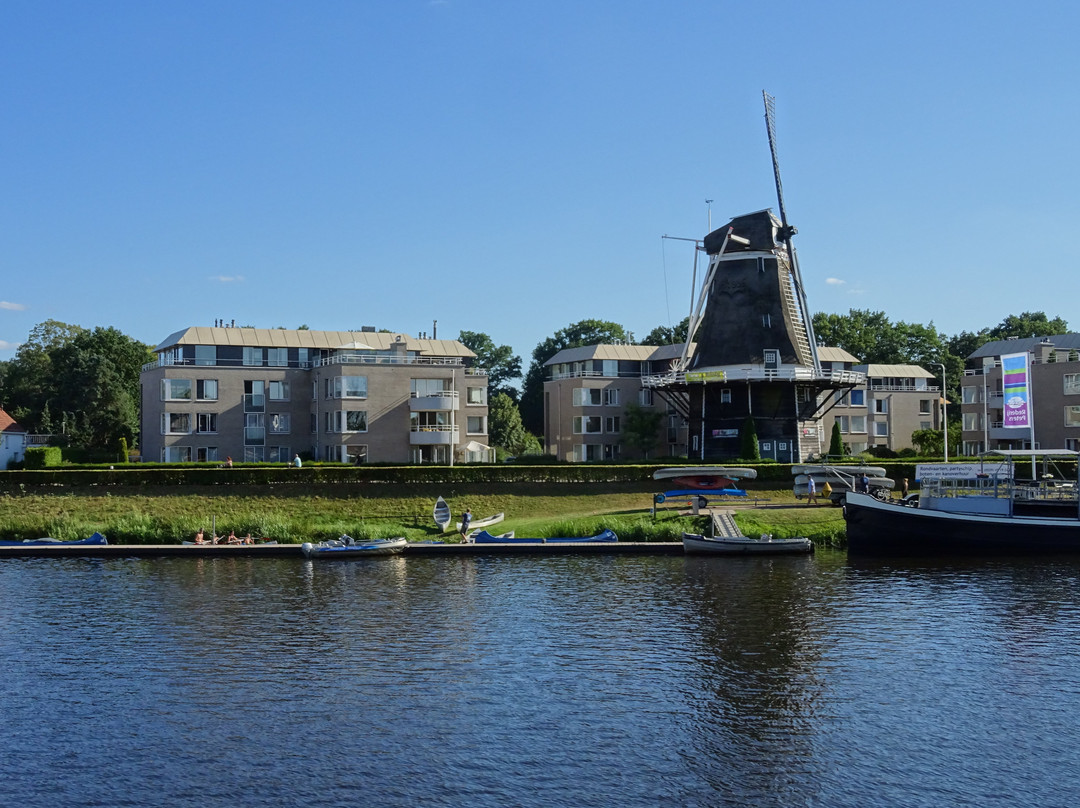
(433,436)
(445,401)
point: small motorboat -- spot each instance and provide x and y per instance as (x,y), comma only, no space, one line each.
(348,547)
(442,514)
(45,541)
(483,537)
(488,522)
(744,545)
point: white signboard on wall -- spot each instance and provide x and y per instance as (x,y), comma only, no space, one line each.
(1000,469)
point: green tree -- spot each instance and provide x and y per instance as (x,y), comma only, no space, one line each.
(499,361)
(749,448)
(668,335)
(836,441)
(640,426)
(32,378)
(585,332)
(872,338)
(1028,324)
(505,428)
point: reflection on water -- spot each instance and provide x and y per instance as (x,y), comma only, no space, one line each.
(539,681)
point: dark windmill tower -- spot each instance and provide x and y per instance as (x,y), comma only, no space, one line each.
(755,359)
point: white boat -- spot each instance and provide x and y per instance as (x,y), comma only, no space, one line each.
(730,472)
(479,523)
(442,514)
(223,543)
(347,547)
(744,545)
(472,536)
(849,471)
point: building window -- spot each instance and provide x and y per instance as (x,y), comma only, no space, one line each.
(277,357)
(1072,416)
(881,406)
(612,424)
(971,421)
(844,421)
(429,421)
(857,398)
(176,454)
(612,451)
(925,425)
(881,429)
(587,452)
(254,428)
(611,367)
(351,387)
(254,396)
(347,421)
(645,398)
(279,423)
(587,397)
(208,422)
(206,454)
(476,395)
(858,423)
(924,406)
(206,355)
(725,395)
(253,357)
(254,454)
(1072,383)
(176,389)
(421,388)
(356,454)
(206,390)
(279,454)
(474,425)
(279,391)
(611,397)
(969,395)
(587,424)
(176,423)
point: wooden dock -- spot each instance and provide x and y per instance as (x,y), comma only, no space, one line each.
(120,551)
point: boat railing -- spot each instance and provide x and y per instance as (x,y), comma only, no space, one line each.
(1001,488)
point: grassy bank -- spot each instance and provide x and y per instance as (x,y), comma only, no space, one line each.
(322,512)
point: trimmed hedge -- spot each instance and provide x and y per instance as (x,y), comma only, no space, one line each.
(42,457)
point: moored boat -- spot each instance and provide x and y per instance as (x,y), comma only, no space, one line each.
(982,513)
(483,537)
(704,478)
(347,547)
(45,541)
(744,545)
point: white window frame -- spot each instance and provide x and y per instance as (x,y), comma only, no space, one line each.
(584,397)
(611,396)
(1070,384)
(280,423)
(210,421)
(168,393)
(167,423)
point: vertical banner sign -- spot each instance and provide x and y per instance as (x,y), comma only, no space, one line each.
(1014,385)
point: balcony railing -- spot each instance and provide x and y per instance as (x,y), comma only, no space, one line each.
(791,373)
(336,359)
(433,435)
(442,401)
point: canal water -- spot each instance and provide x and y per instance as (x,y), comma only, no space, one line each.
(540,681)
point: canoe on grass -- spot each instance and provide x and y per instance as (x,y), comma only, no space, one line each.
(479,523)
(442,514)
(483,537)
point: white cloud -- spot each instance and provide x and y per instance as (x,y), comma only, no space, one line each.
(835,282)
(12,306)
(227,278)
(8,346)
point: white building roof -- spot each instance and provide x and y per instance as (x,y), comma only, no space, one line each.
(316,340)
(630,353)
(894,371)
(827,353)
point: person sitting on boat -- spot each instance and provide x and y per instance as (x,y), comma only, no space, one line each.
(864,484)
(200,538)
(248,539)
(466,520)
(233,538)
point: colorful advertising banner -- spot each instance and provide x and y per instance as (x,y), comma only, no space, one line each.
(1014,385)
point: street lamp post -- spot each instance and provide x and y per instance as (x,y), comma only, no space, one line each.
(944,410)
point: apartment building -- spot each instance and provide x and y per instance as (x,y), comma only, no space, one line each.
(895,401)
(263,395)
(1053,385)
(587,392)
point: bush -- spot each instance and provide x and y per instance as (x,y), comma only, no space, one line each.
(882,452)
(43,457)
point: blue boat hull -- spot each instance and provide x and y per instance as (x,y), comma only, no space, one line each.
(483,537)
(96,539)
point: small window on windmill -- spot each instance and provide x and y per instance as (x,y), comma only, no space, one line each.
(761,264)
(766,320)
(725,395)
(772,359)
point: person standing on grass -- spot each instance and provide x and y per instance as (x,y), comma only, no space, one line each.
(811,490)
(466,520)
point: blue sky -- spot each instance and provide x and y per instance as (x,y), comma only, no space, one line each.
(511,167)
